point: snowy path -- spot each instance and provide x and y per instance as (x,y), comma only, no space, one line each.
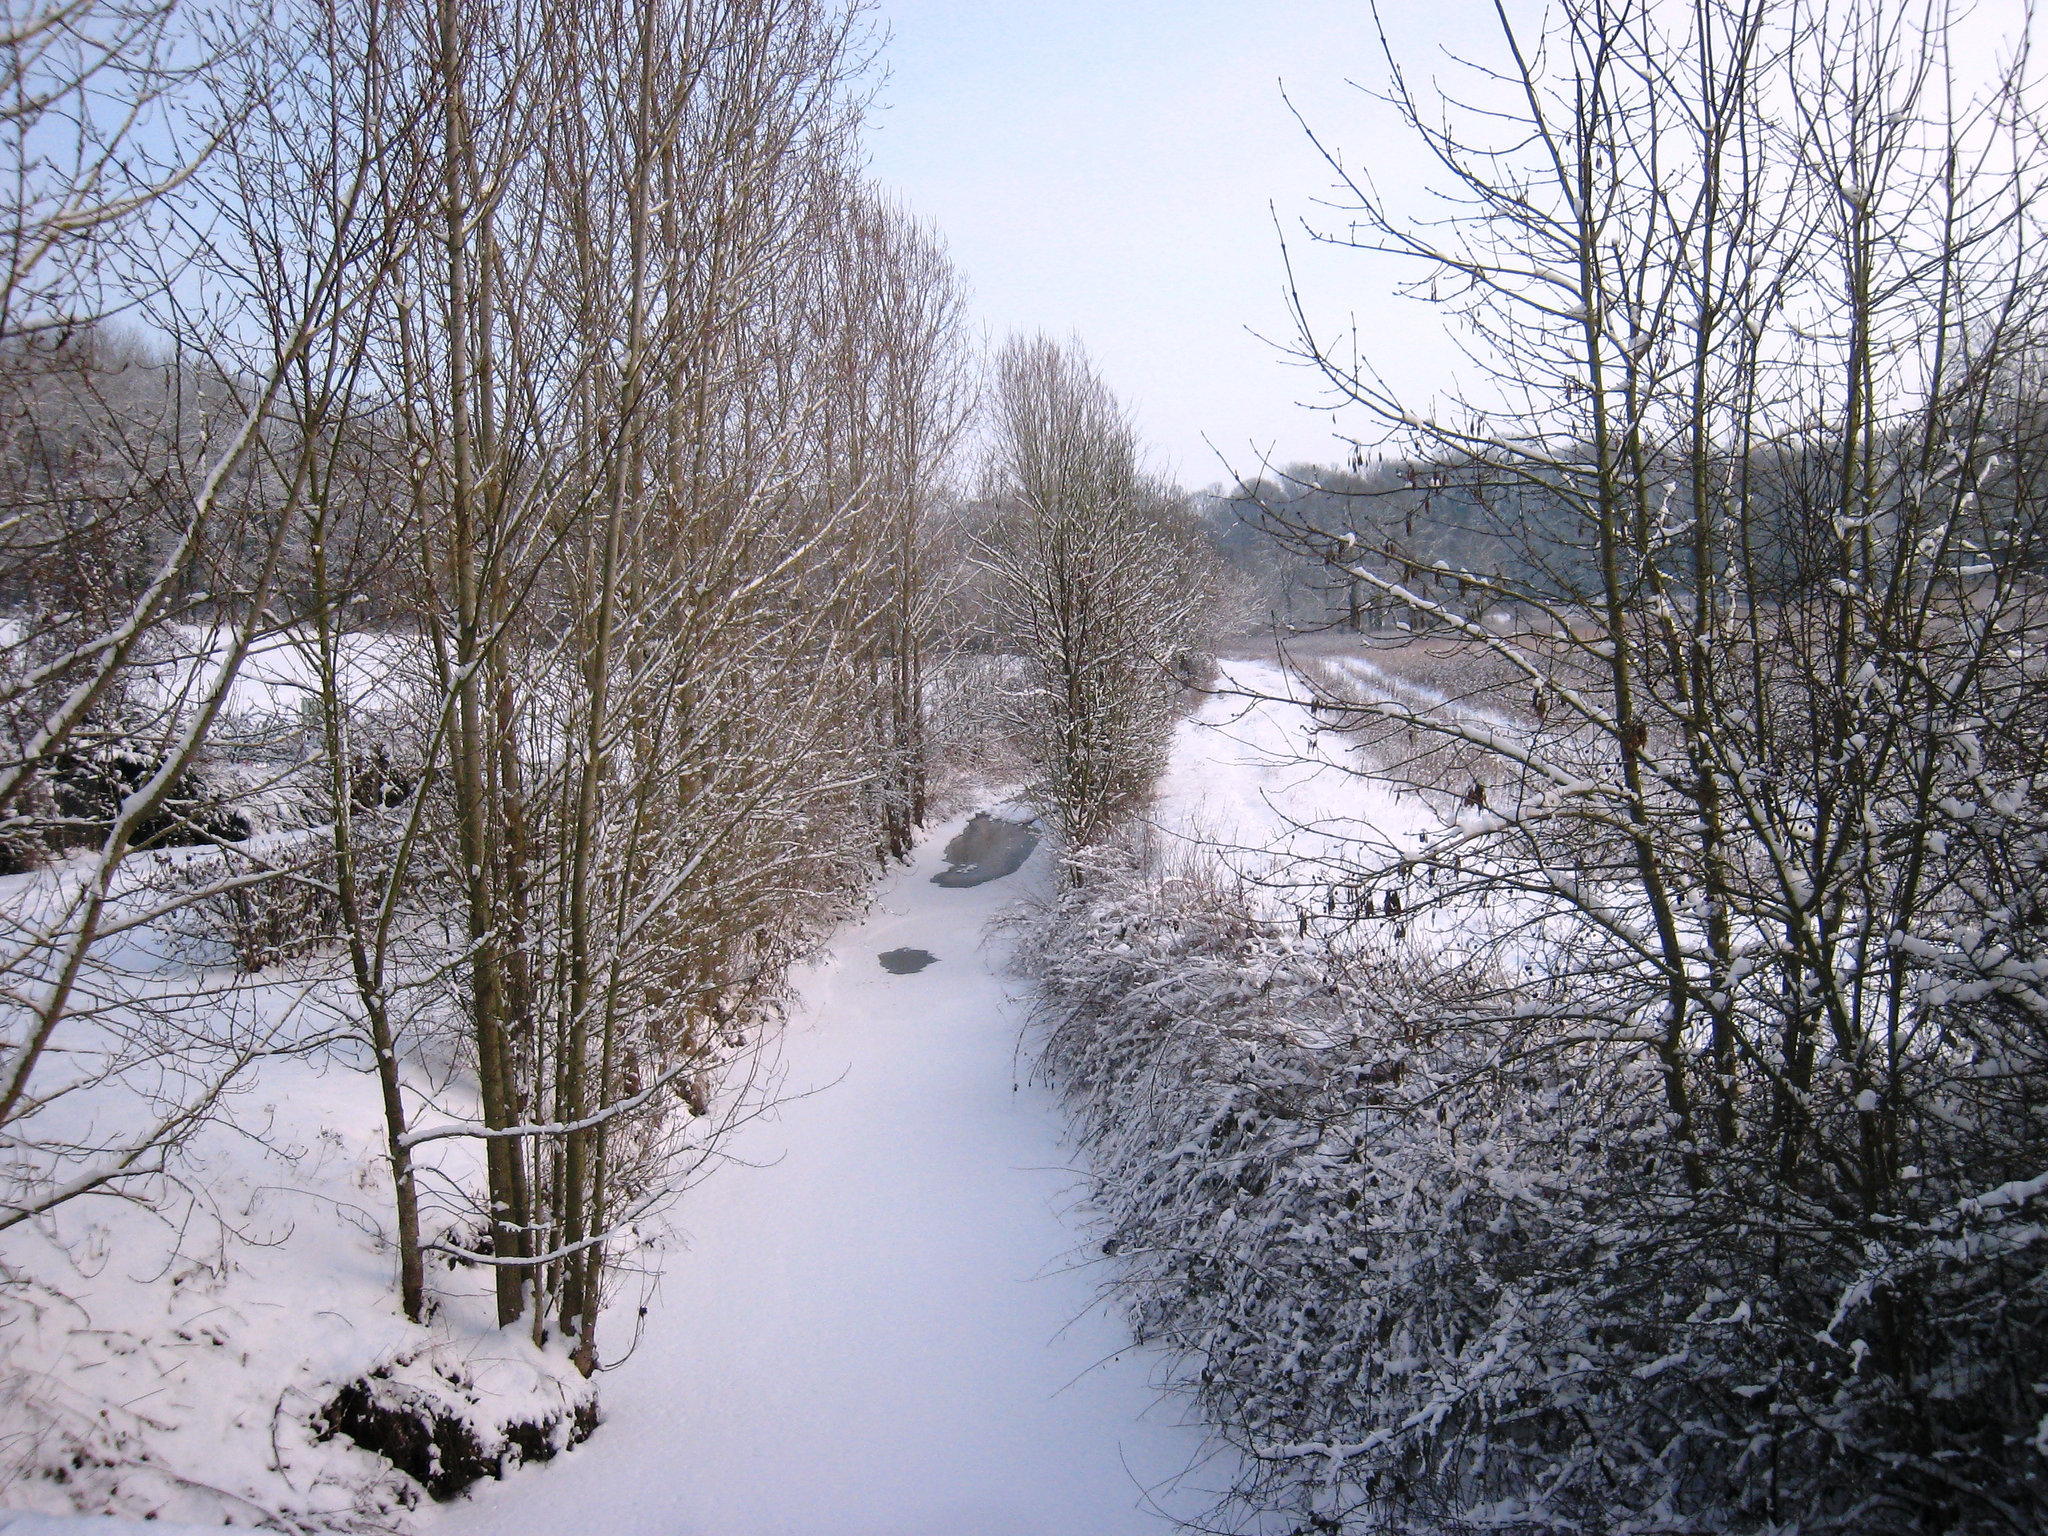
(882,1334)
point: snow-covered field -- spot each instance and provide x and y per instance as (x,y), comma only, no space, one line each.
(167,1360)
(280,680)
(1257,781)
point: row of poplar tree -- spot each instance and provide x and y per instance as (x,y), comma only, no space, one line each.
(547,379)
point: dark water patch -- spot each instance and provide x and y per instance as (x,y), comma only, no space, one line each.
(907,962)
(986,849)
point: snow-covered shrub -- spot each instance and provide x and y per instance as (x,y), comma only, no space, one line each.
(90,784)
(257,909)
(971,728)
(1193,668)
(1432,1273)
(445,1421)
(278,919)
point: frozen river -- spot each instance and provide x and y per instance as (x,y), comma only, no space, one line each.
(883,1324)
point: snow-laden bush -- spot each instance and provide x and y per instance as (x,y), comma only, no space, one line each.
(1433,1274)
(258,909)
(446,1420)
(91,785)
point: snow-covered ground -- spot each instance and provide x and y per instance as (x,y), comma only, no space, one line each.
(166,1356)
(165,1360)
(1257,780)
(884,1318)
(279,678)
(884,1323)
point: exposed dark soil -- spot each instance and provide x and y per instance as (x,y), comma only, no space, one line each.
(434,1444)
(986,849)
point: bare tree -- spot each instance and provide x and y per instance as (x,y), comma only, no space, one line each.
(659,547)
(110,708)
(1741,797)
(1097,584)
(546,382)
(893,318)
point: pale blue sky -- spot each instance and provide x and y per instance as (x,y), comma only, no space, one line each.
(1106,168)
